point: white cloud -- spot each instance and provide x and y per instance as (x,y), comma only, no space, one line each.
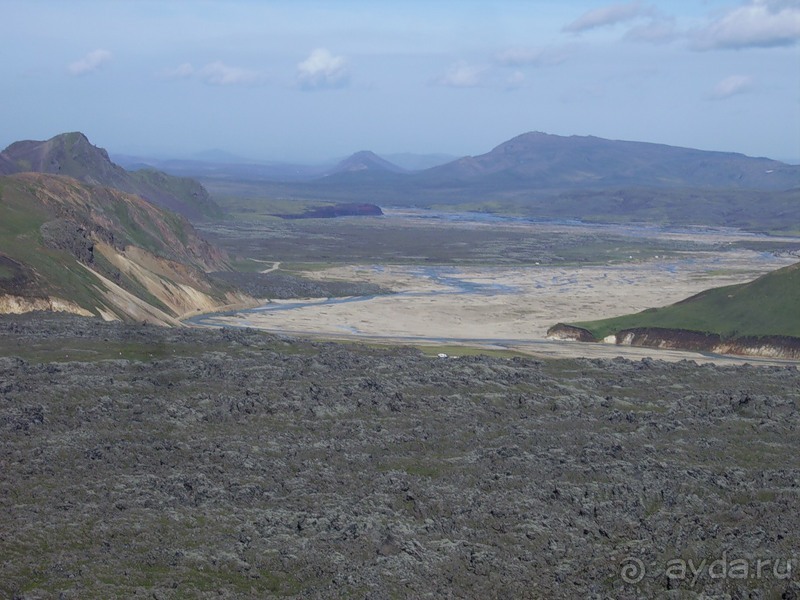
(537,57)
(89,63)
(218,73)
(757,23)
(654,27)
(731,86)
(182,71)
(322,70)
(462,75)
(608,15)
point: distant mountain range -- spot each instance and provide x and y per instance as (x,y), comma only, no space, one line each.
(580,177)
(532,160)
(72,154)
(219,165)
(540,161)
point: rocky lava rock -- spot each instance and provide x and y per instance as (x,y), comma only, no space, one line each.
(140,461)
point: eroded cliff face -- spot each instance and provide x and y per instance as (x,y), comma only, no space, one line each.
(771,346)
(562,331)
(179,289)
(17,305)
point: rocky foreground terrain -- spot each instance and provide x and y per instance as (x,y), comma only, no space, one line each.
(138,461)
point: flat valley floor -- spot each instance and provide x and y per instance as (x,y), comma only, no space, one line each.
(571,272)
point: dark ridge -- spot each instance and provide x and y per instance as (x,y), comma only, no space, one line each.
(338,210)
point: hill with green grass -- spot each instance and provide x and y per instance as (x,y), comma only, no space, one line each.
(86,249)
(72,154)
(762,313)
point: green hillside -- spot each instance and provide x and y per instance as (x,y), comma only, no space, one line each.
(90,246)
(27,267)
(769,305)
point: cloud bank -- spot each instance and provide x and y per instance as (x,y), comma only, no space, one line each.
(756,24)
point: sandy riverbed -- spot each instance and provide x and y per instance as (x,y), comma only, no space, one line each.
(505,303)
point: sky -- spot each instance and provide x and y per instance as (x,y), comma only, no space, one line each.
(303,81)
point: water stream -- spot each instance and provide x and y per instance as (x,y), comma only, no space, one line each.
(442,275)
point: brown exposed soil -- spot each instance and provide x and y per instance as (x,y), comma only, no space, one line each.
(768,345)
(774,346)
(562,331)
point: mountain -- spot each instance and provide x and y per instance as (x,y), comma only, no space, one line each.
(554,162)
(364,161)
(761,317)
(544,176)
(7,167)
(72,154)
(531,164)
(70,246)
(219,165)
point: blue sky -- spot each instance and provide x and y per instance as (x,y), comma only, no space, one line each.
(311,81)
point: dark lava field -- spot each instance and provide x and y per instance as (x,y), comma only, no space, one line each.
(147,462)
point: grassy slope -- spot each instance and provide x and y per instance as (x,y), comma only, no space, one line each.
(56,272)
(769,305)
(29,200)
(131,219)
(188,191)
